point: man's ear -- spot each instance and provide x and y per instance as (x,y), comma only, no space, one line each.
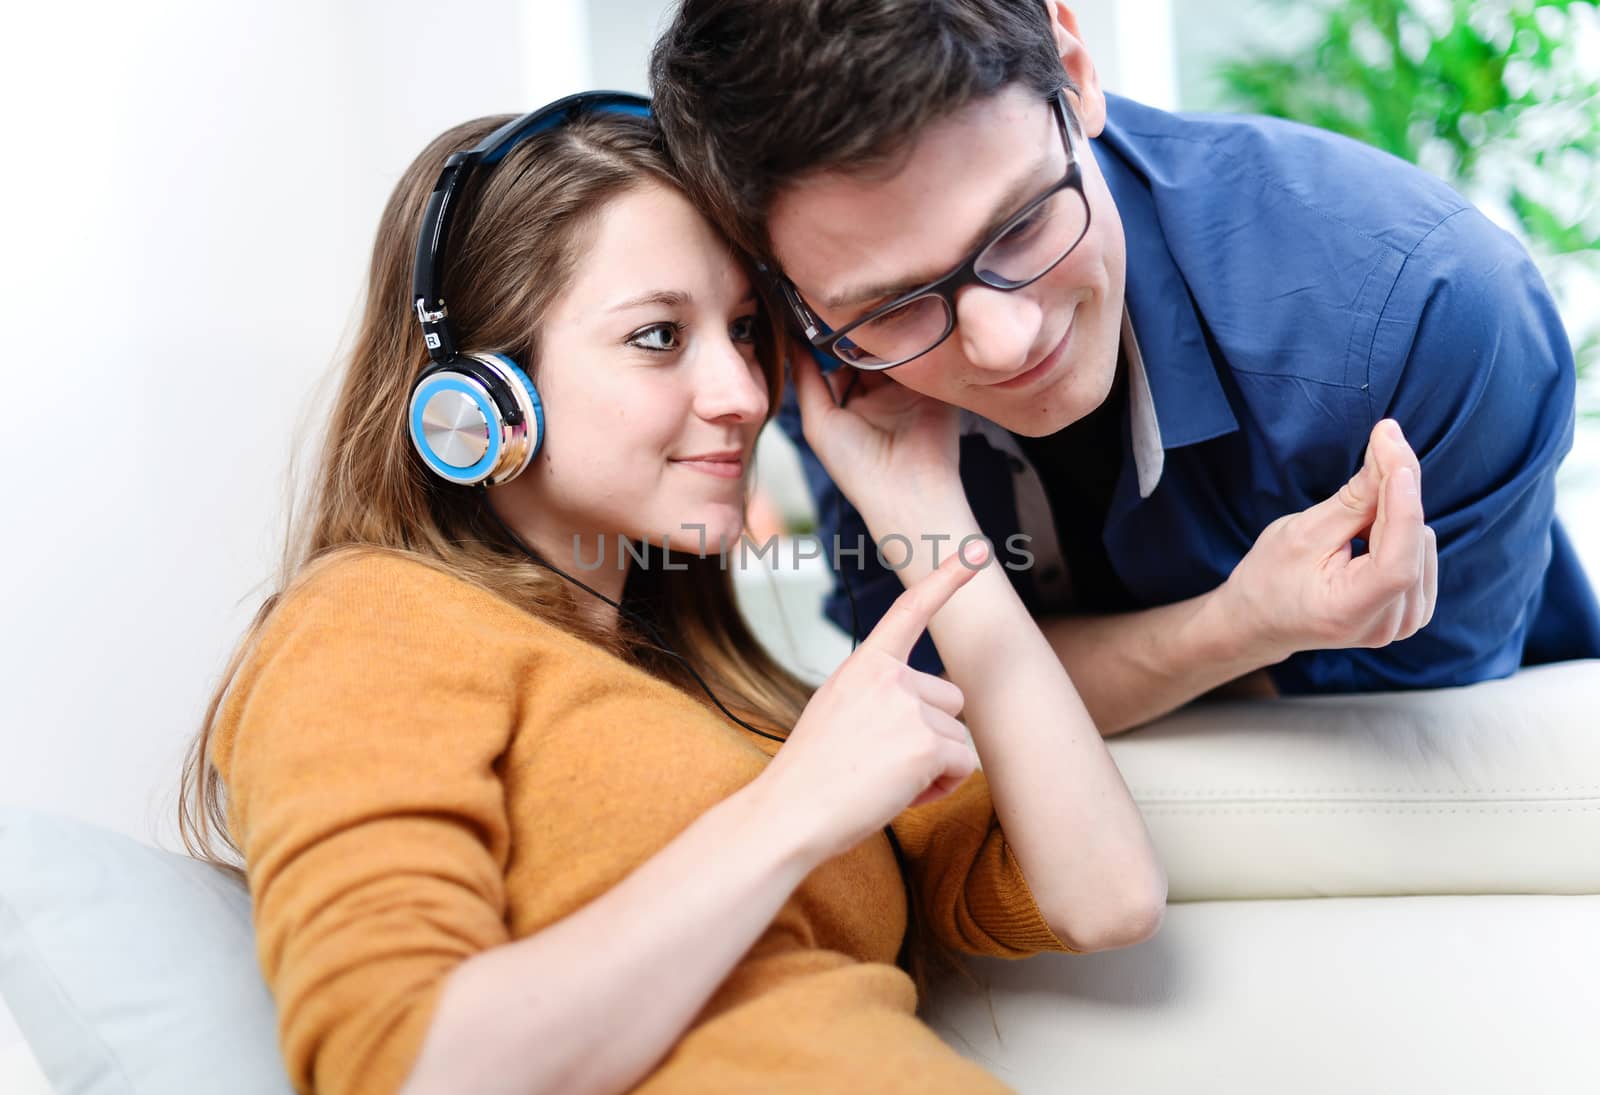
(1089,103)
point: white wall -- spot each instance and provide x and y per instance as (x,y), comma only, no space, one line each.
(1131,41)
(620,35)
(191,191)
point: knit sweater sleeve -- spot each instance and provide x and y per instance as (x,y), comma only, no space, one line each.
(971,893)
(358,748)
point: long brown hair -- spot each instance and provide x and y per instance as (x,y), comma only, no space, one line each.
(513,252)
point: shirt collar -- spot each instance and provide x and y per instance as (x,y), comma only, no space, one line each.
(1172,375)
(1149,457)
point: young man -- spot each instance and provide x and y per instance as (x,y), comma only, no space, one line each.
(1176,340)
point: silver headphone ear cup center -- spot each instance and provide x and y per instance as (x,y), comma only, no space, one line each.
(455,428)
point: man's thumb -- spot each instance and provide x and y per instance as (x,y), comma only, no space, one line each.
(1350,511)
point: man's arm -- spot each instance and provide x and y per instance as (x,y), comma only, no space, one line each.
(1472,359)
(1300,587)
(1133,667)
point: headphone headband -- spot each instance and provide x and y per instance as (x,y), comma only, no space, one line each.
(426,295)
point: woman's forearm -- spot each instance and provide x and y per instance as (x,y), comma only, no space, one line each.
(1067,814)
(593,1002)
(1066,811)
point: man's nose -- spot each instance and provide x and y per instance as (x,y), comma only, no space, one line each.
(996,328)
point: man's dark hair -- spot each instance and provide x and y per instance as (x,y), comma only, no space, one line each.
(755,94)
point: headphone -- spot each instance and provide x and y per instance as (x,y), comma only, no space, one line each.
(475,416)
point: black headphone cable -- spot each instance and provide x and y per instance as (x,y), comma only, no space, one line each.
(644,625)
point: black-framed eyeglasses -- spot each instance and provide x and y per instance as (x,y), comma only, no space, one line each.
(1020,252)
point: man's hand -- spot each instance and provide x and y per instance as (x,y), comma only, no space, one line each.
(893,452)
(1301,588)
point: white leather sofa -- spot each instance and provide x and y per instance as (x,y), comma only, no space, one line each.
(1396,893)
(1392,893)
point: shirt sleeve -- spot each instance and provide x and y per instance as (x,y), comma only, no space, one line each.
(358,748)
(1471,358)
(971,892)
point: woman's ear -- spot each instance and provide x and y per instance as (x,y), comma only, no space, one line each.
(1089,101)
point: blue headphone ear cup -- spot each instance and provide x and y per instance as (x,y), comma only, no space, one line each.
(528,403)
(476,418)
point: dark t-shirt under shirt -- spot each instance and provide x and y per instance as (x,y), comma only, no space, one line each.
(1078,466)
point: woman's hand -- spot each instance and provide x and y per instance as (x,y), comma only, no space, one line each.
(878,736)
(886,445)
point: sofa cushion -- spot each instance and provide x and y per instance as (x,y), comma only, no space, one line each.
(129,970)
(1493,788)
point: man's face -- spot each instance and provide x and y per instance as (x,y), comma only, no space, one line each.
(1033,359)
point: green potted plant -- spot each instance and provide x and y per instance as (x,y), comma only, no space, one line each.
(1499,97)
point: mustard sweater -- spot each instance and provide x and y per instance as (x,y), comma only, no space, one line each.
(418,771)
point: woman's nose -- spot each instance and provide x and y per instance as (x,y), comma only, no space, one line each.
(996,328)
(733,386)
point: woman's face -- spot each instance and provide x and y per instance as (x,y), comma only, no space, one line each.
(652,393)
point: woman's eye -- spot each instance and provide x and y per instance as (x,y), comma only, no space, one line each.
(743,329)
(657,336)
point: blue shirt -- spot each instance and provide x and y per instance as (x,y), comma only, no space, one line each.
(1287,288)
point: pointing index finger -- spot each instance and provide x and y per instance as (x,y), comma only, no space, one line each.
(911,612)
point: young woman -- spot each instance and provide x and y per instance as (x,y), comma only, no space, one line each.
(498,837)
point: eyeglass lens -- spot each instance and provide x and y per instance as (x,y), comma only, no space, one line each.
(1024,252)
